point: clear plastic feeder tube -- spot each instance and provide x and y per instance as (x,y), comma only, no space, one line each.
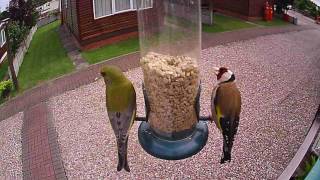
(170,45)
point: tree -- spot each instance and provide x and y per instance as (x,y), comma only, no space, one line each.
(307,7)
(23,12)
(4,15)
(16,34)
(282,5)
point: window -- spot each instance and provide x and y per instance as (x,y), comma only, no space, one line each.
(66,4)
(122,5)
(103,8)
(2,37)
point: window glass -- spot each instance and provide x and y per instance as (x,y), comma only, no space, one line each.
(1,39)
(102,8)
(122,5)
(4,36)
(135,4)
(147,3)
(143,4)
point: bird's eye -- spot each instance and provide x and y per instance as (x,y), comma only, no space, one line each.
(108,80)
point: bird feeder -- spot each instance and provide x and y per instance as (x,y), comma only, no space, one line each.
(170,45)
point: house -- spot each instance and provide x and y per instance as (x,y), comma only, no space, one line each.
(245,9)
(48,7)
(3,44)
(94,23)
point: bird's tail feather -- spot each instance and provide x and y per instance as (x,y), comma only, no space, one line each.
(125,162)
(226,155)
(122,156)
(120,162)
(228,138)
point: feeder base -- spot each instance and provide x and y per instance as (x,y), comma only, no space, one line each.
(172,149)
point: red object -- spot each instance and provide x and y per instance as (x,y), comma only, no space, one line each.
(318,19)
(268,12)
(286,17)
(271,13)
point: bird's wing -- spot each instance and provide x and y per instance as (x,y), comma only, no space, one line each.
(229,99)
(228,103)
(213,109)
(122,121)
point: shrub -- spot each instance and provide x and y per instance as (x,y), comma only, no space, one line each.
(5,88)
(17,34)
(282,6)
(308,166)
(307,6)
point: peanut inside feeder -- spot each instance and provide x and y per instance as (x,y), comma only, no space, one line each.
(172,84)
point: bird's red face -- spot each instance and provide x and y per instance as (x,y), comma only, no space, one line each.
(223,74)
(221,71)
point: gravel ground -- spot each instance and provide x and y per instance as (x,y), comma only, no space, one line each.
(10,147)
(278,77)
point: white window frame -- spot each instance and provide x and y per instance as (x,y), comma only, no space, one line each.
(3,57)
(3,37)
(113,9)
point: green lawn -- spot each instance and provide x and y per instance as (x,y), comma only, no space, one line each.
(222,23)
(3,69)
(226,23)
(46,58)
(110,51)
(275,22)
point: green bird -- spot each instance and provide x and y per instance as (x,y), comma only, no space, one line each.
(226,107)
(121,108)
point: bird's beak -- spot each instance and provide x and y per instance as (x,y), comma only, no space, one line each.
(216,70)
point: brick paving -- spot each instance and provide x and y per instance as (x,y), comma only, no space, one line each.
(41,154)
(40,150)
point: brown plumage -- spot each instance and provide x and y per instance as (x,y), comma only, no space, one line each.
(229,99)
(226,107)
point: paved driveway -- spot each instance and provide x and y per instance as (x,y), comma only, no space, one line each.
(278,76)
(279,80)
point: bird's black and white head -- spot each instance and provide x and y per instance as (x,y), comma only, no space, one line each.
(224,75)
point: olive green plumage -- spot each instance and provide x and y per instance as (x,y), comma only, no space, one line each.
(121,108)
